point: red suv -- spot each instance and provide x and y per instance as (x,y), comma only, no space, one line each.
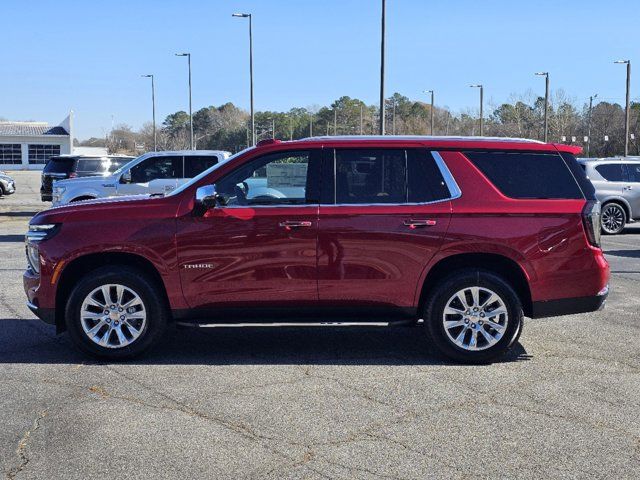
(461,236)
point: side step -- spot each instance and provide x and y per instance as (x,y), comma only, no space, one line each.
(395,323)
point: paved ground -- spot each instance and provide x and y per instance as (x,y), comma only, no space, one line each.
(298,403)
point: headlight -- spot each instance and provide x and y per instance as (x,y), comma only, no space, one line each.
(38,233)
(33,257)
(59,190)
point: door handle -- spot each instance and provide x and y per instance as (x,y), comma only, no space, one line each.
(628,187)
(419,223)
(290,224)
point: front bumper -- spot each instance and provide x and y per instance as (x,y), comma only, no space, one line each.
(9,187)
(570,306)
(47,315)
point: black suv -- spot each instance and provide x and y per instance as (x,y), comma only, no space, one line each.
(72,166)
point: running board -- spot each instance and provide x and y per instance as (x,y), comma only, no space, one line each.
(408,322)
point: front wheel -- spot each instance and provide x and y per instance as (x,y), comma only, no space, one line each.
(473,316)
(116,313)
(613,219)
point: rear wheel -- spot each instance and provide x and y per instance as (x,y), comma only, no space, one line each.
(473,316)
(116,313)
(613,218)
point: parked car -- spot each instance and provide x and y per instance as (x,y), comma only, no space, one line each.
(7,184)
(73,166)
(151,173)
(467,234)
(617,184)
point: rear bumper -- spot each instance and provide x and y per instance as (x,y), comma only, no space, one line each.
(570,306)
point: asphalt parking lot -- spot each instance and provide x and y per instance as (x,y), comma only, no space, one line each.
(353,403)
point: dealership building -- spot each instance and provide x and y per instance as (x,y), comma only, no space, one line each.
(28,145)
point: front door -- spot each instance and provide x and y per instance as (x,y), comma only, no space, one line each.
(381,220)
(258,248)
(156,174)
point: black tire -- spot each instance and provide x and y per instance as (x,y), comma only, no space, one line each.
(618,218)
(1,190)
(447,288)
(148,291)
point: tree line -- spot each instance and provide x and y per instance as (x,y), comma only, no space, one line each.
(227,127)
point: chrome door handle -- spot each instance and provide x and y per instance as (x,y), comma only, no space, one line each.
(419,223)
(289,224)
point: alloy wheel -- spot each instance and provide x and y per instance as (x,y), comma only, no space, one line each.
(475,318)
(612,218)
(113,316)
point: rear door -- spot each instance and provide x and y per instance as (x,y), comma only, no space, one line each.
(156,174)
(383,216)
(615,180)
(632,189)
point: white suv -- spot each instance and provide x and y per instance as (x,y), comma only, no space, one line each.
(151,173)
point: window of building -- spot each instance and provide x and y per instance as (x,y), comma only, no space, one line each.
(10,154)
(40,154)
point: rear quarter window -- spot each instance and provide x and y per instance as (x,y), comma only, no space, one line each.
(525,175)
(59,165)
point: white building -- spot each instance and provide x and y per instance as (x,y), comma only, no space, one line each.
(28,145)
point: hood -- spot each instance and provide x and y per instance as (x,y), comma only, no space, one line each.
(93,180)
(108,209)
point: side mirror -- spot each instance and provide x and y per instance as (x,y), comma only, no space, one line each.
(126,177)
(206,197)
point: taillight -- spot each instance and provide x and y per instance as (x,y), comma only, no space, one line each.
(73,175)
(591,220)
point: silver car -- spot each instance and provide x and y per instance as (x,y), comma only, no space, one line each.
(152,173)
(617,184)
(7,184)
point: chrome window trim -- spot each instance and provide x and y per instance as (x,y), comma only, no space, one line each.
(450,182)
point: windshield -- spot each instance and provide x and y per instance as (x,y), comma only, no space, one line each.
(123,167)
(184,186)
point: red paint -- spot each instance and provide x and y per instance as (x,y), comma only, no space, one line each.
(336,255)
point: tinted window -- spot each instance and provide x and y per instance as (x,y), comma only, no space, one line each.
(425,182)
(155,168)
(580,175)
(59,165)
(370,176)
(89,165)
(281,178)
(527,175)
(612,172)
(195,165)
(633,170)
(116,163)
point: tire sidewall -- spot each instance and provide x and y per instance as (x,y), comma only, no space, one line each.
(153,302)
(624,219)
(436,304)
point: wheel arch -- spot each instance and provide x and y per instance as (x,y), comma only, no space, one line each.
(622,202)
(499,264)
(84,264)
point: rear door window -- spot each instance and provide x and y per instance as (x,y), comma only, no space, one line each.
(195,165)
(526,175)
(91,165)
(59,165)
(633,170)
(157,168)
(612,172)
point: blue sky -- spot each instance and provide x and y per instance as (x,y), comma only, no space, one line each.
(88,56)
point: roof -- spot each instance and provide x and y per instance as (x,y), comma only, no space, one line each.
(188,152)
(443,142)
(29,129)
(610,160)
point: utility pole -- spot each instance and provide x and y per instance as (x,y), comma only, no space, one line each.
(431,124)
(311,125)
(153,109)
(335,121)
(626,108)
(382,119)
(290,128)
(188,55)
(361,119)
(253,123)
(393,117)
(589,123)
(481,87)
(546,104)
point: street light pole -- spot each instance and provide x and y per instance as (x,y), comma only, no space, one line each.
(335,121)
(546,103)
(626,108)
(431,124)
(382,115)
(481,87)
(361,119)
(393,118)
(153,109)
(589,123)
(188,55)
(253,122)
(311,125)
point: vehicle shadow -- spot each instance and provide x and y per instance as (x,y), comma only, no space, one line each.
(33,342)
(28,214)
(623,253)
(11,238)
